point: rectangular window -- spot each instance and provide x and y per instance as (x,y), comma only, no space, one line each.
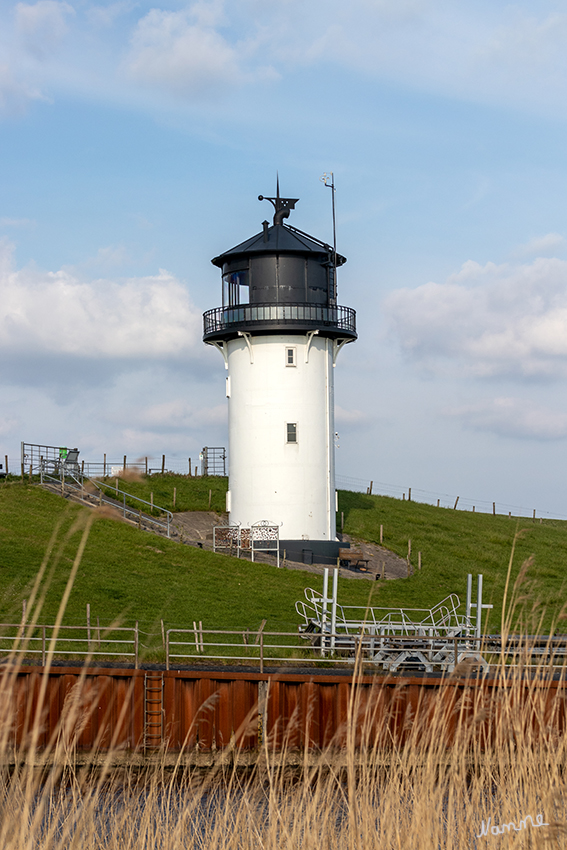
(292,432)
(290,357)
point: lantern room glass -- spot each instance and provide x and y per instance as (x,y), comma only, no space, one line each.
(235,289)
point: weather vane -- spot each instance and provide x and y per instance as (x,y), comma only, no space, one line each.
(282,206)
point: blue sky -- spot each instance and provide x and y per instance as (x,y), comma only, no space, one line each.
(134,140)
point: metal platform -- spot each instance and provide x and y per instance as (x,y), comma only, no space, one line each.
(427,639)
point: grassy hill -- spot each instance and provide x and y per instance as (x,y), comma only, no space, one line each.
(454,543)
(137,576)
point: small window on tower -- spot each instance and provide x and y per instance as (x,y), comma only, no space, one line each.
(290,357)
(292,432)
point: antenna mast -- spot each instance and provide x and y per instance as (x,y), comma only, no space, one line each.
(329,181)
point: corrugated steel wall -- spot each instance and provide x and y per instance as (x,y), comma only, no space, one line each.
(103,708)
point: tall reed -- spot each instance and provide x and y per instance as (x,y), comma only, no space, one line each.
(463,760)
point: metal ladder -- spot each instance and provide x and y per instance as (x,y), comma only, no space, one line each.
(153,710)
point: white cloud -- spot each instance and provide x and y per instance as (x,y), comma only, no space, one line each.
(55,313)
(105,16)
(15,94)
(484,51)
(186,58)
(42,25)
(178,414)
(541,246)
(512,417)
(508,319)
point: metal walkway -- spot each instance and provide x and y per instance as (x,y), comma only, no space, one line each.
(428,639)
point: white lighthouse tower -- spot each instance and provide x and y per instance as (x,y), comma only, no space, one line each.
(280,331)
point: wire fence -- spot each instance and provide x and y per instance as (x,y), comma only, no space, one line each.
(194,467)
(442,500)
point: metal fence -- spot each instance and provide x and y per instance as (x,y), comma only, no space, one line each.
(415,652)
(81,642)
(262,648)
(263,536)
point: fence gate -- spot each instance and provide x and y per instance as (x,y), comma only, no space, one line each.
(213,461)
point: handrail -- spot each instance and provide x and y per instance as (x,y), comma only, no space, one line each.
(100,484)
(114,503)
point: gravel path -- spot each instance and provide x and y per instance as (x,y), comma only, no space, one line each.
(196,528)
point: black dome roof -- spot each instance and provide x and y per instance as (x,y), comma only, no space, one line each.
(279,239)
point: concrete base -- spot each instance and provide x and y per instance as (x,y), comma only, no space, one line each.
(312,551)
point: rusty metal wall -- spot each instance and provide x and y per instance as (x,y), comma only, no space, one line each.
(212,710)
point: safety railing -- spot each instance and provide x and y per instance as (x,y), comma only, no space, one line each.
(185,646)
(81,642)
(221,318)
(76,483)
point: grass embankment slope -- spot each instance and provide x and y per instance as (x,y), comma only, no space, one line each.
(454,543)
(134,575)
(137,576)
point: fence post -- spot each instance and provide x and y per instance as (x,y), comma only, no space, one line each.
(6,462)
(88,625)
(136,641)
(456,642)
(124,467)
(167,650)
(104,467)
(162,464)
(261,652)
(162,634)
(43,646)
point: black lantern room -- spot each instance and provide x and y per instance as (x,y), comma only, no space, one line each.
(279,280)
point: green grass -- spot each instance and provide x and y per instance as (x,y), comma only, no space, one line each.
(134,575)
(192,494)
(454,543)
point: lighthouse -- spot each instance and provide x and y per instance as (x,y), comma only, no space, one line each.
(280,331)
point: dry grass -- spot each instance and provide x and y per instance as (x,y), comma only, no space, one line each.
(421,779)
(504,761)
